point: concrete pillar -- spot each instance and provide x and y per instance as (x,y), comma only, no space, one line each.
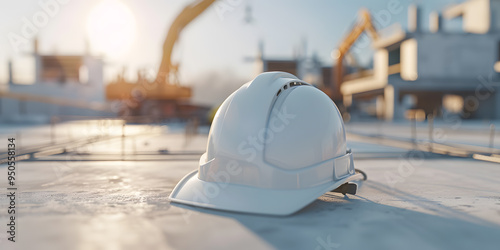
(391,99)
(413,18)
(38,62)
(347,100)
(11,74)
(381,64)
(434,22)
(497,103)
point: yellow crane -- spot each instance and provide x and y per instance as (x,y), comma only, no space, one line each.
(166,86)
(364,24)
(188,14)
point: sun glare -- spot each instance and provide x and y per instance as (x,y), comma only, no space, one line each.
(111,28)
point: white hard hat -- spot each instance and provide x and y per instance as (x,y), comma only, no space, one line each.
(275,145)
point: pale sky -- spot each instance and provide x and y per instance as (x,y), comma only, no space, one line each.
(214,46)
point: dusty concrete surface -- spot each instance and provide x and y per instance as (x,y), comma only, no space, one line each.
(410,201)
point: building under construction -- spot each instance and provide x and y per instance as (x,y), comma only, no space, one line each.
(435,71)
(302,65)
(64,85)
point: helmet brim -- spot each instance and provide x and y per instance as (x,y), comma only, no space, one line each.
(246,199)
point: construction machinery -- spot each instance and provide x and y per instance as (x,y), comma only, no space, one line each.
(364,24)
(162,96)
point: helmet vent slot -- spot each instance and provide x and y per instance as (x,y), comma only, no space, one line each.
(292,84)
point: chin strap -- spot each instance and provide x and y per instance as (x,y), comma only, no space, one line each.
(365,177)
(350,188)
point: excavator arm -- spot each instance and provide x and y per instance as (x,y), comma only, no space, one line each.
(364,24)
(165,89)
(188,14)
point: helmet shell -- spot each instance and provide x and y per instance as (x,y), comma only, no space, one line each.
(275,134)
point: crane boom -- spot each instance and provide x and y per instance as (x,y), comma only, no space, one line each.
(188,14)
(364,24)
(165,89)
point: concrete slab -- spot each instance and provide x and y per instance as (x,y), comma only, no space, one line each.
(410,202)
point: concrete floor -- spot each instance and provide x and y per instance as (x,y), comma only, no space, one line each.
(93,200)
